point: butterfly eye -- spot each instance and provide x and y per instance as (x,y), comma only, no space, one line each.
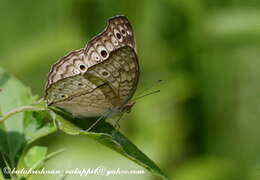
(80,84)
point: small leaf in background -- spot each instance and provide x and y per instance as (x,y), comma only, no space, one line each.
(35,157)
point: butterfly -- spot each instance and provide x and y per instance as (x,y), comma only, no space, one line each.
(100,79)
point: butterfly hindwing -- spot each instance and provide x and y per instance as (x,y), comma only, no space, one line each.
(121,71)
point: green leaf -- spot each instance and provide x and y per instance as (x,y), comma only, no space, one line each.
(34,158)
(13,94)
(37,125)
(21,122)
(107,135)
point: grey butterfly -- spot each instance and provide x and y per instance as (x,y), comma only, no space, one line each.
(100,79)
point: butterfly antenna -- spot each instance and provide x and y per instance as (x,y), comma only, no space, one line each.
(147,89)
(150,93)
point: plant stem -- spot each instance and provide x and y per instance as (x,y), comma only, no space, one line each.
(20,109)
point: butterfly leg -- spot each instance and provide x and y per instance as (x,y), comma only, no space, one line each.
(117,125)
(95,123)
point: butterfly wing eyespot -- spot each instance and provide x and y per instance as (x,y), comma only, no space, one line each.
(103,53)
(80,84)
(82,67)
(63,96)
(123,31)
(104,73)
(95,56)
(118,35)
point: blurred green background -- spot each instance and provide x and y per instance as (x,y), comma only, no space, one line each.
(204,125)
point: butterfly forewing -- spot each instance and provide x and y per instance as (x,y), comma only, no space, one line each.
(86,86)
(118,33)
